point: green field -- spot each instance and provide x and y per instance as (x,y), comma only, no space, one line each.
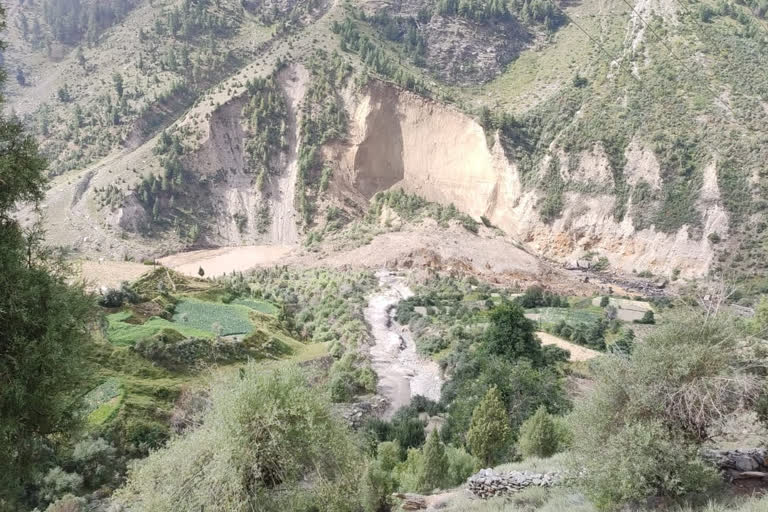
(262,306)
(204,316)
(121,332)
(570,315)
(103,402)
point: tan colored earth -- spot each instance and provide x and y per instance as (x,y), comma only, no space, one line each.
(578,353)
(110,274)
(225,260)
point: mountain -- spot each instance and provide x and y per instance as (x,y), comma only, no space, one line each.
(598,129)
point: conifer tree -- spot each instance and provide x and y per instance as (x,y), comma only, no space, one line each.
(489,433)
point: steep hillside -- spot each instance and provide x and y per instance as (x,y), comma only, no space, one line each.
(630,131)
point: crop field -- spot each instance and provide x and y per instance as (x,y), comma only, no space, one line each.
(262,306)
(103,402)
(212,317)
(121,332)
(570,315)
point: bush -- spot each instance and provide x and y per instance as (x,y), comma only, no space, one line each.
(263,431)
(642,460)
(648,318)
(95,460)
(604,301)
(68,503)
(637,434)
(511,335)
(460,465)
(116,297)
(378,486)
(57,483)
(539,436)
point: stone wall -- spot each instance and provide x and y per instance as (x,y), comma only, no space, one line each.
(487,483)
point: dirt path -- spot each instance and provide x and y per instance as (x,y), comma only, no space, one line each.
(578,353)
(283,229)
(216,262)
(402,373)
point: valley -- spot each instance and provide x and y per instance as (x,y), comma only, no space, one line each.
(374,255)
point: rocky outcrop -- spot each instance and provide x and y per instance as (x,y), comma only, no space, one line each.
(487,483)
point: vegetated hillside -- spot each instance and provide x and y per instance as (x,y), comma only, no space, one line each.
(630,131)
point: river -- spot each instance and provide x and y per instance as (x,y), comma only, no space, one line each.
(402,372)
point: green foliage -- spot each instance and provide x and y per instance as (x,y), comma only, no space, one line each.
(73,20)
(435,463)
(412,207)
(265,112)
(202,315)
(121,330)
(264,435)
(57,482)
(642,460)
(536,297)
(511,335)
(375,57)
(551,205)
(648,318)
(349,376)
(323,118)
(649,413)
(44,324)
(489,434)
(539,435)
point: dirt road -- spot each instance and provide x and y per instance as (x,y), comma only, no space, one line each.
(402,373)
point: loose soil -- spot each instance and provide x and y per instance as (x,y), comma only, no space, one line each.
(578,353)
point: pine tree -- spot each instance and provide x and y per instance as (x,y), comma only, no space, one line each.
(489,433)
(538,435)
(435,463)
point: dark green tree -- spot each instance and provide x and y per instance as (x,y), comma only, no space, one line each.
(489,434)
(43,324)
(512,336)
(435,463)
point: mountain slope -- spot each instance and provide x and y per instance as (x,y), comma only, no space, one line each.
(633,131)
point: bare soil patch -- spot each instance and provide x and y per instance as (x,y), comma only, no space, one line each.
(109,273)
(578,353)
(217,262)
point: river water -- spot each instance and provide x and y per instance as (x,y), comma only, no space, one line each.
(402,372)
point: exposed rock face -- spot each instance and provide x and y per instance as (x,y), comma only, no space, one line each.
(487,483)
(399,139)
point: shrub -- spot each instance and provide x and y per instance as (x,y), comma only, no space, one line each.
(68,503)
(460,465)
(648,318)
(604,301)
(95,460)
(57,483)
(642,460)
(637,433)
(489,434)
(377,489)
(539,436)
(264,430)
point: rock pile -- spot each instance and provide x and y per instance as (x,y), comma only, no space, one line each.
(740,464)
(487,483)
